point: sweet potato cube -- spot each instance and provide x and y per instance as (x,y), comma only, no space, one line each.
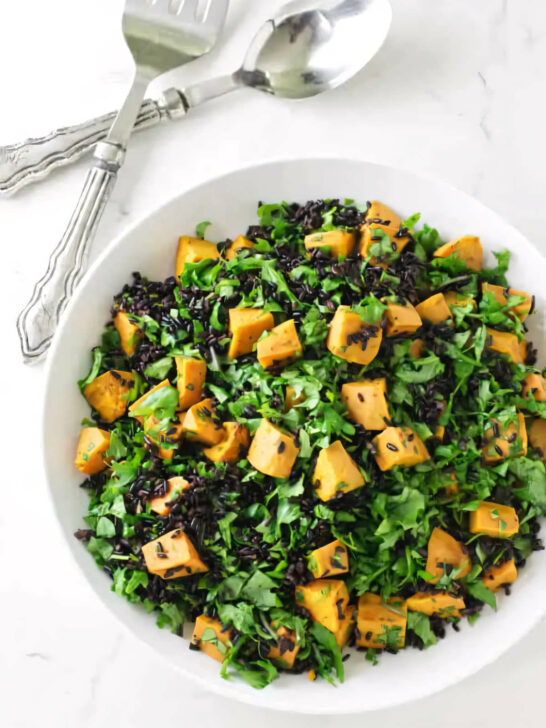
(211,637)
(164,439)
(468,249)
(272,451)
(336,242)
(162,504)
(501,442)
(335,472)
(92,445)
(240,243)
(537,437)
(194,250)
(286,650)
(232,447)
(346,626)
(202,424)
(497,576)
(246,326)
(445,551)
(434,309)
(399,446)
(416,348)
(382,218)
(381,624)
(292,399)
(329,560)
(172,556)
(191,377)
(534,387)
(494,519)
(280,347)
(108,394)
(128,331)
(366,403)
(351,338)
(508,344)
(137,404)
(452,488)
(440,604)
(401,318)
(327,601)
(521,310)
(453,298)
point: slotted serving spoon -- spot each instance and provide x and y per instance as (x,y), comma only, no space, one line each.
(161,35)
(308,47)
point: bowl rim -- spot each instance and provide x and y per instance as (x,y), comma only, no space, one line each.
(222,687)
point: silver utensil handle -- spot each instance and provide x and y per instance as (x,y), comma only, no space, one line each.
(30,161)
(38,320)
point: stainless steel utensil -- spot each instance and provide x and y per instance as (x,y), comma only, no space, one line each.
(161,35)
(309,47)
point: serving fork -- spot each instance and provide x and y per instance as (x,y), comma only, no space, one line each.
(161,35)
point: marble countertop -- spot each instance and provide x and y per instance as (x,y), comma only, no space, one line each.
(457,93)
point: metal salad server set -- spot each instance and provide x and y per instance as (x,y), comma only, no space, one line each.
(309,47)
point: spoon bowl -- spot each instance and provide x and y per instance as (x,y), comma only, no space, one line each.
(315,45)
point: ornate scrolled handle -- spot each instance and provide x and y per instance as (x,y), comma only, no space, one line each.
(38,320)
(32,160)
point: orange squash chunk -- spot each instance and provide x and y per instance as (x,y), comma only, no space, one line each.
(329,560)
(211,637)
(162,504)
(434,309)
(494,519)
(246,326)
(453,298)
(468,249)
(232,447)
(128,332)
(201,423)
(537,436)
(366,403)
(500,442)
(444,550)
(140,401)
(240,243)
(281,347)
(381,624)
(534,387)
(497,576)
(286,650)
(416,348)
(108,394)
(401,318)
(351,338)
(291,399)
(439,603)
(327,601)
(337,242)
(399,446)
(172,434)
(92,445)
(452,488)
(272,451)
(335,472)
(381,217)
(508,344)
(191,377)
(194,250)
(172,556)
(521,310)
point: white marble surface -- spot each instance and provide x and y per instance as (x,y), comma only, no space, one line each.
(457,92)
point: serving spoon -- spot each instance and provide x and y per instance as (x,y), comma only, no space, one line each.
(309,47)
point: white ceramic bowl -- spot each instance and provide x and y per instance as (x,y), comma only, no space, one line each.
(149,246)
